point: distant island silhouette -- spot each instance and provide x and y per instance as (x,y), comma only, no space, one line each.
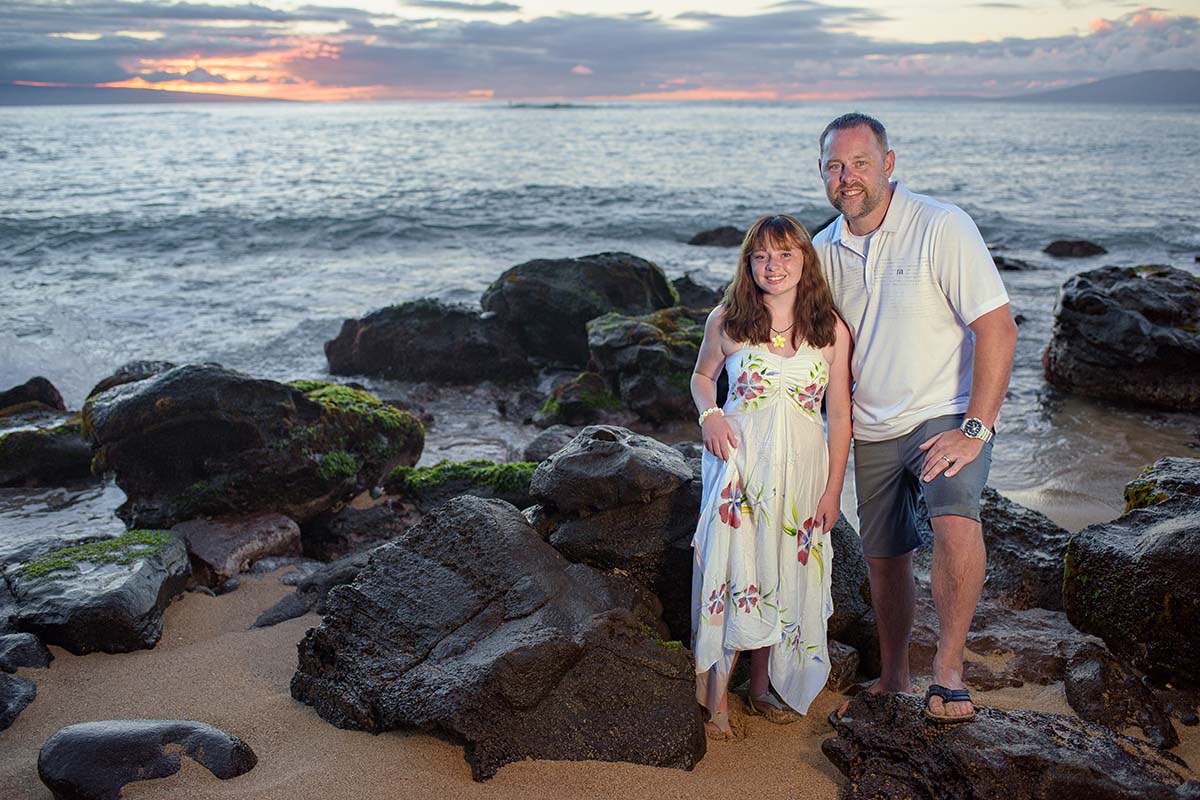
(1180,86)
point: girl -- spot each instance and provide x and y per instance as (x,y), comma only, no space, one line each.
(772,488)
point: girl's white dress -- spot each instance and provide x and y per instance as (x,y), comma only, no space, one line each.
(762,571)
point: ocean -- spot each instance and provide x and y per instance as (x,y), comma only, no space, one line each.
(245,234)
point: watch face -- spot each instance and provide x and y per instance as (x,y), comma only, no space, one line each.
(972,427)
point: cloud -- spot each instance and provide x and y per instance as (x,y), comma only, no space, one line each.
(474,8)
(793,49)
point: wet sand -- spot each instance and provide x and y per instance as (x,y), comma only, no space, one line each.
(209,667)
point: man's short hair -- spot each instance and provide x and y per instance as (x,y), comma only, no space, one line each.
(855,119)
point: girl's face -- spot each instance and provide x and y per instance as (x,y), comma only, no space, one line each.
(776,267)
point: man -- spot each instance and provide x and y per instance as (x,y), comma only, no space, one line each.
(933,349)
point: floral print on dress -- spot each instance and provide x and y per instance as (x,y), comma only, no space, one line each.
(732,499)
(753,380)
(807,396)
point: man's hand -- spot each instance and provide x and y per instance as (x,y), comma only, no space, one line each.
(948,452)
(829,508)
(719,438)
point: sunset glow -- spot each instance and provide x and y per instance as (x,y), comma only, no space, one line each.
(377,50)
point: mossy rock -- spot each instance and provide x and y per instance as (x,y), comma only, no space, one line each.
(1162,480)
(584,399)
(45,457)
(427,487)
(119,550)
(201,440)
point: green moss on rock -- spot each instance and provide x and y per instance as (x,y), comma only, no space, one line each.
(506,477)
(338,465)
(343,399)
(124,549)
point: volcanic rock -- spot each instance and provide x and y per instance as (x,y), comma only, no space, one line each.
(130,373)
(35,392)
(94,760)
(1101,689)
(725,236)
(15,694)
(226,546)
(649,359)
(886,750)
(45,457)
(1133,583)
(101,596)
(426,340)
(312,592)
(696,295)
(22,650)
(548,442)
(495,640)
(1128,334)
(201,440)
(1074,248)
(335,535)
(545,303)
(427,487)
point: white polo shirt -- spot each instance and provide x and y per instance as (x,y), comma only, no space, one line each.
(926,276)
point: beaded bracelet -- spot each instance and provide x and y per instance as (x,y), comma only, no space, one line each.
(707,411)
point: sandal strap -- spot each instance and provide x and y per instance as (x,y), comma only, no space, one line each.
(947,695)
(769,699)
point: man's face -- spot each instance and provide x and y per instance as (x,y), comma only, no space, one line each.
(856,172)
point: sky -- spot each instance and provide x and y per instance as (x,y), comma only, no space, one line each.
(553,50)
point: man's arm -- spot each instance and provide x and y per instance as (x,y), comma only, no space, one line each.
(995,343)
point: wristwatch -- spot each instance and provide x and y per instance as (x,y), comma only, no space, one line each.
(973,428)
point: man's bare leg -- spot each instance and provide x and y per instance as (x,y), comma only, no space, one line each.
(894,599)
(959,564)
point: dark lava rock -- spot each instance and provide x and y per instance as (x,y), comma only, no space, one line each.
(130,373)
(548,442)
(426,340)
(15,694)
(606,467)
(1162,480)
(1132,582)
(886,750)
(843,667)
(22,650)
(226,546)
(1006,264)
(427,487)
(1034,644)
(335,535)
(725,236)
(312,592)
(546,303)
(45,457)
(1101,689)
(1024,554)
(696,295)
(36,391)
(853,620)
(1128,334)
(490,637)
(102,596)
(582,400)
(1074,248)
(94,760)
(649,359)
(202,440)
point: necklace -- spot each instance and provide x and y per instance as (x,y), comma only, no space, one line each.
(778,340)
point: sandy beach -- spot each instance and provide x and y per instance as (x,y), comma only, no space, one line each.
(209,667)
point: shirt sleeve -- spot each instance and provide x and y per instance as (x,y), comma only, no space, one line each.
(965,270)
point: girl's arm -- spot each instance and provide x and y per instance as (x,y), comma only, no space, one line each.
(837,414)
(719,438)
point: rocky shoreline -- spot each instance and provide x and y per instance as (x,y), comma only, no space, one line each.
(538,607)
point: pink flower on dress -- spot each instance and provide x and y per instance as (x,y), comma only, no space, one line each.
(714,608)
(809,397)
(805,541)
(748,600)
(730,510)
(749,385)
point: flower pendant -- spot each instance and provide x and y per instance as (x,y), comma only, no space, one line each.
(778,341)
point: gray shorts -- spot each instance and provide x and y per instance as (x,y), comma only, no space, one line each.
(887,478)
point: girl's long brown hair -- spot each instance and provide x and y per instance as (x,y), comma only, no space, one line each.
(746,316)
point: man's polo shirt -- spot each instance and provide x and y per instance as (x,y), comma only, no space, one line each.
(926,277)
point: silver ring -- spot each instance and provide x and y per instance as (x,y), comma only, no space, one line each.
(947,460)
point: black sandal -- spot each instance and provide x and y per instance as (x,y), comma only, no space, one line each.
(948,696)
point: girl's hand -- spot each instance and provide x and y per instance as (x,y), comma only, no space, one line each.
(829,508)
(719,438)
